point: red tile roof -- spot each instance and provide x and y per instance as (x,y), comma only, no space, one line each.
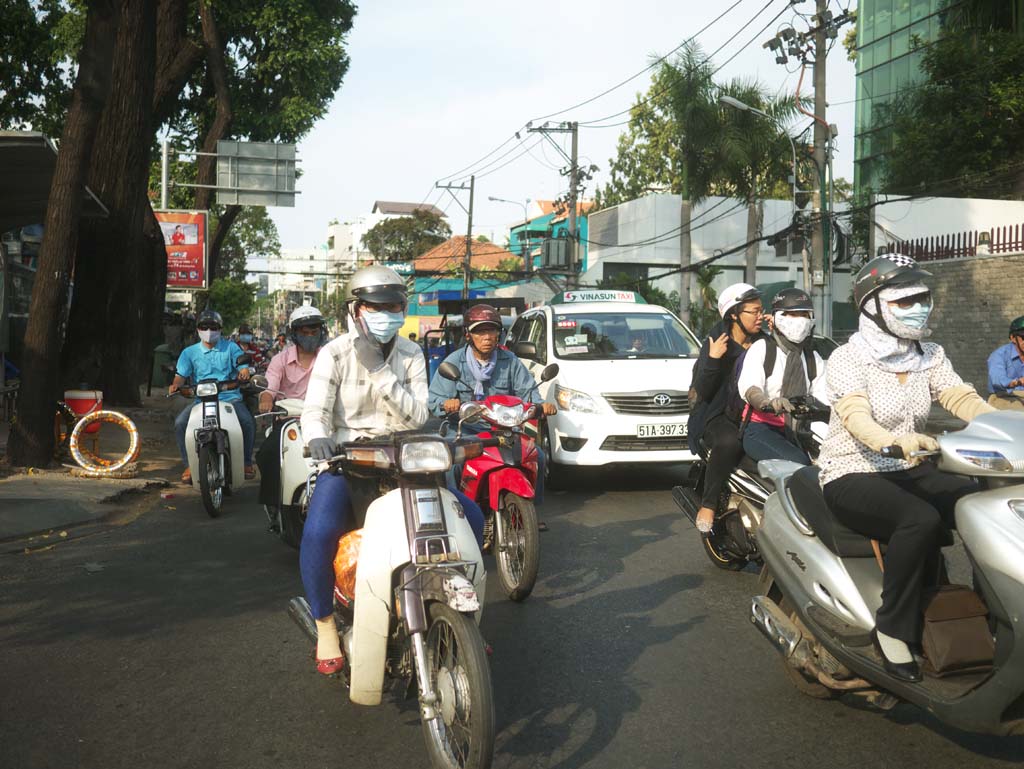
(449,256)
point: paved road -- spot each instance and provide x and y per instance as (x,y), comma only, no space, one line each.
(633,652)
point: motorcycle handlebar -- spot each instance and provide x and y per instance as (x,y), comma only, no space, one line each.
(896,452)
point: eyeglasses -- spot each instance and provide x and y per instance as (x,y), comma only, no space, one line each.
(909,301)
(752,312)
(208,327)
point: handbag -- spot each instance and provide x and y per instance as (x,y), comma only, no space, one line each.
(956,637)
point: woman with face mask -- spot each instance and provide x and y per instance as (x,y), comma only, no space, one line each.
(881,385)
(798,371)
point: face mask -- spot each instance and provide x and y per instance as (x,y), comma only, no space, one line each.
(794,328)
(915,317)
(384,325)
(307,343)
(245,338)
(209,335)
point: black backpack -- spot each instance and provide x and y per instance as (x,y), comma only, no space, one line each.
(734,403)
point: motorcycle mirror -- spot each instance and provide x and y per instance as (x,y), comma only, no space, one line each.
(470,411)
(243,359)
(449,371)
(549,372)
(260,382)
(525,350)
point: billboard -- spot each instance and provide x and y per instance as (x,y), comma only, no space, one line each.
(185,239)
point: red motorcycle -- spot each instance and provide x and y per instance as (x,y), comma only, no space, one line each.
(502,480)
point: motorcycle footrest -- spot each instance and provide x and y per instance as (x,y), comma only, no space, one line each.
(687,501)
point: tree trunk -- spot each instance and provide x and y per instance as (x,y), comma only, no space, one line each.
(31,440)
(755,222)
(224,224)
(115,313)
(206,165)
(685,216)
(177,57)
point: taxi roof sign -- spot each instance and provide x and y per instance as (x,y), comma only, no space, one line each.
(597,295)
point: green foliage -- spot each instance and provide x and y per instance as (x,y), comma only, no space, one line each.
(254,234)
(704,313)
(850,38)
(962,134)
(651,293)
(233,299)
(403,238)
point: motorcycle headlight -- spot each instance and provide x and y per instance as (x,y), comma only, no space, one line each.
(206,389)
(425,457)
(986,460)
(574,400)
(506,416)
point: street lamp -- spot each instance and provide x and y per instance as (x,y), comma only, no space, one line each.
(526,222)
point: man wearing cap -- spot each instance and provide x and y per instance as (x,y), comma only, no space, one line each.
(1006,370)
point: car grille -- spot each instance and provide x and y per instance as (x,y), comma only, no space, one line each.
(650,403)
(632,443)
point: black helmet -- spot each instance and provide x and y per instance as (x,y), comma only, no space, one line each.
(245,328)
(378,285)
(884,272)
(209,318)
(792,299)
(1017,326)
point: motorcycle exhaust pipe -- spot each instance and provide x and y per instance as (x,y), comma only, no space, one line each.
(302,615)
(687,501)
(776,626)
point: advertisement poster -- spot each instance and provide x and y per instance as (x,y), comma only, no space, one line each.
(185,240)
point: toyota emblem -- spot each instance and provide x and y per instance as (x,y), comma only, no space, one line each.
(662,399)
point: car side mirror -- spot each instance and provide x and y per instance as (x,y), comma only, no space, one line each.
(525,350)
(449,371)
(549,372)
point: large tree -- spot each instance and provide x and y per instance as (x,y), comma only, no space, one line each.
(403,238)
(254,234)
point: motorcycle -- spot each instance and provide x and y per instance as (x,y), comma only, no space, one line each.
(821,585)
(419,580)
(732,542)
(216,470)
(503,481)
(298,473)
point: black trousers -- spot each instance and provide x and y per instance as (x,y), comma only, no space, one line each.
(911,510)
(722,437)
(268,459)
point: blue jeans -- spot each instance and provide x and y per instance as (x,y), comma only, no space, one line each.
(245,421)
(761,441)
(330,516)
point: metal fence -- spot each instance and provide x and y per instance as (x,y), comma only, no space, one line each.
(1007,239)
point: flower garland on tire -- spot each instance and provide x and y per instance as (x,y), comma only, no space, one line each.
(97,466)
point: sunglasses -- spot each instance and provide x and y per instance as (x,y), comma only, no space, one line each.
(208,327)
(909,301)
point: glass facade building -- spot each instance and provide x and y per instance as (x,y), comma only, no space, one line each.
(888,32)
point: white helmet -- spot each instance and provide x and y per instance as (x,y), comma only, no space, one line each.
(736,294)
(305,316)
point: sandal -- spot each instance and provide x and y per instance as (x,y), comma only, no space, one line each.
(330,666)
(250,473)
(186,477)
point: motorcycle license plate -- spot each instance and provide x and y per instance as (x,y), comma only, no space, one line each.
(671,430)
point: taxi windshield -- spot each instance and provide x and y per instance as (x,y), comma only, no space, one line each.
(611,336)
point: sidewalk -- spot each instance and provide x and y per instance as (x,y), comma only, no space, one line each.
(44,500)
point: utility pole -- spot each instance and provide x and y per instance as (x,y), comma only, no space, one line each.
(467,264)
(573,172)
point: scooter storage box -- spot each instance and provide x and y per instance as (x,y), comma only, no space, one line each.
(956,635)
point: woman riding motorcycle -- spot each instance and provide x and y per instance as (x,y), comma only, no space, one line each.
(764,436)
(881,385)
(742,312)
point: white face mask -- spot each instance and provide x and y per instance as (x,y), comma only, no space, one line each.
(209,335)
(793,327)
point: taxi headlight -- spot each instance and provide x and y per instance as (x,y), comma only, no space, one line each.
(425,457)
(574,400)
(206,389)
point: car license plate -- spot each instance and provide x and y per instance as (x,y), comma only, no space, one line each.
(671,430)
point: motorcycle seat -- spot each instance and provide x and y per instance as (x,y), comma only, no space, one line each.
(805,492)
(749,466)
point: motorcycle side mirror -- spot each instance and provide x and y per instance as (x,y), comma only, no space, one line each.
(260,382)
(525,350)
(241,360)
(449,371)
(470,411)
(549,372)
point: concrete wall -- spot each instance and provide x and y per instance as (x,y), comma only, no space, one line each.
(975,300)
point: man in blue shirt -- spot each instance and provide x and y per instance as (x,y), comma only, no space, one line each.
(1006,370)
(213,358)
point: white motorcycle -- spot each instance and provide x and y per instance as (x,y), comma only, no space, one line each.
(287,515)
(419,584)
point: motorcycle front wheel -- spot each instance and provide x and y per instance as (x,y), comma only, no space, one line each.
(211,485)
(462,734)
(518,546)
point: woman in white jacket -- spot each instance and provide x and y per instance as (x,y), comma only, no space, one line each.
(797,371)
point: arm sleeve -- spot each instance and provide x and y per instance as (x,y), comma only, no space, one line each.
(855,415)
(963,402)
(405,401)
(707,374)
(819,388)
(998,377)
(184,365)
(752,373)
(441,389)
(318,408)
(524,386)
(274,373)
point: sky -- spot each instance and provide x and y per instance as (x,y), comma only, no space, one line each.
(433,87)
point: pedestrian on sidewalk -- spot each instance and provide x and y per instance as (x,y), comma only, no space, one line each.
(1006,370)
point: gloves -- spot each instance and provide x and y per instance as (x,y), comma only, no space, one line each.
(854,412)
(369,352)
(322,449)
(780,405)
(757,398)
(963,402)
(916,442)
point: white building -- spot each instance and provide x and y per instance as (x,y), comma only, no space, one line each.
(345,240)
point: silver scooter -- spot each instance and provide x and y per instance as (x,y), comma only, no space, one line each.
(821,584)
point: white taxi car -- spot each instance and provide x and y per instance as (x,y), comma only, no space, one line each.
(624,371)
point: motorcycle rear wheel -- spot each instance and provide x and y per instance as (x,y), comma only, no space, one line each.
(518,546)
(462,736)
(211,487)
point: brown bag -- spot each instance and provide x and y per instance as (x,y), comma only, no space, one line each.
(956,635)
